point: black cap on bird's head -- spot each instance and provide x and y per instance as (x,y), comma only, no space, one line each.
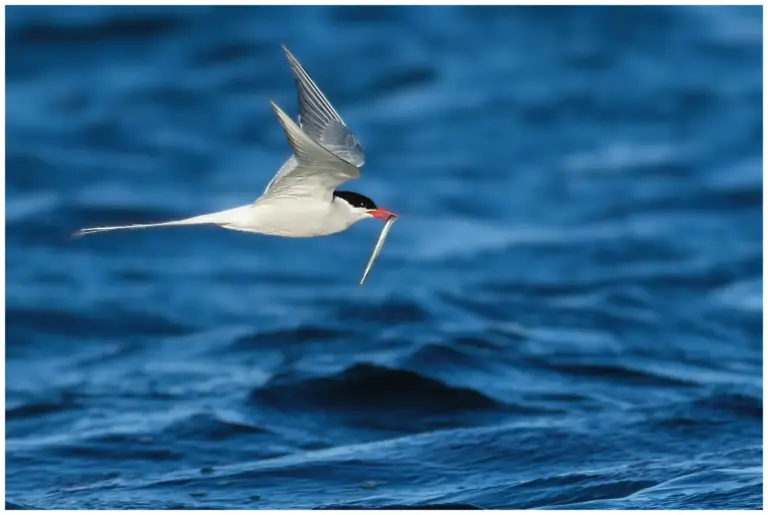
(355,199)
(362,202)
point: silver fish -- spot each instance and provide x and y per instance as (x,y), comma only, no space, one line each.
(380,243)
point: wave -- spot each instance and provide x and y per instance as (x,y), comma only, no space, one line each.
(700,413)
(18,506)
(68,322)
(428,506)
(618,373)
(374,387)
(111,26)
(736,403)
(40,408)
(286,337)
(210,426)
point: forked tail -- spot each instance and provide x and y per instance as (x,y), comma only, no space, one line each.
(213,218)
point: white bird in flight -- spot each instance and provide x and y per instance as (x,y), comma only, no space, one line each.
(301,200)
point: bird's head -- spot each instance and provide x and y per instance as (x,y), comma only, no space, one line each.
(361,206)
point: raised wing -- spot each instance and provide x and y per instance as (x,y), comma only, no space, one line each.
(320,120)
(316,171)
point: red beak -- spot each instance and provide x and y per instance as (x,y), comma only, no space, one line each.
(381,214)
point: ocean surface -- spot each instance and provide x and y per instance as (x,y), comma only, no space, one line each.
(567,315)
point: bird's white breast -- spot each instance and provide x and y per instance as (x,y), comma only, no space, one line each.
(292,217)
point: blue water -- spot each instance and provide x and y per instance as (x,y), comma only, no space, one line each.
(567,314)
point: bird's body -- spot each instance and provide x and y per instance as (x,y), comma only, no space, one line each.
(272,217)
(285,217)
(301,200)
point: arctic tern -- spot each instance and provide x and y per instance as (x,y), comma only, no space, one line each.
(301,200)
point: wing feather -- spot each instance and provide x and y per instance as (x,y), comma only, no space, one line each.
(317,170)
(320,120)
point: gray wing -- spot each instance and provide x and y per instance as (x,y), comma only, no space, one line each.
(313,170)
(320,120)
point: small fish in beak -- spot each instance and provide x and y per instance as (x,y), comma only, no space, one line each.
(391,218)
